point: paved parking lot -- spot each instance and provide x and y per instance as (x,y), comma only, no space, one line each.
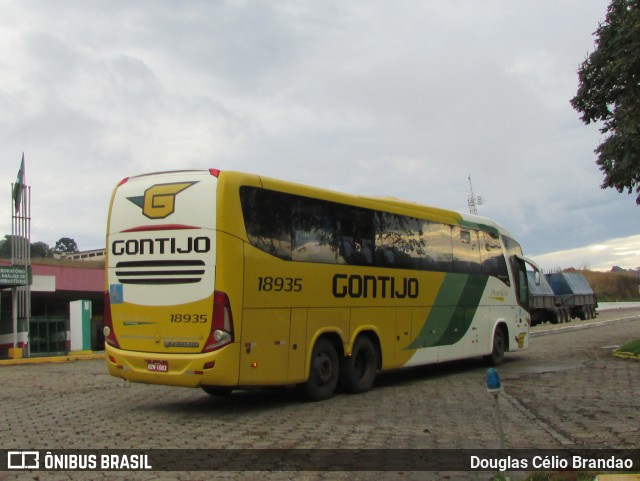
(566,391)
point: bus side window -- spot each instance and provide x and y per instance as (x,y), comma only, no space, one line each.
(522,285)
(437,242)
(399,241)
(267,220)
(466,251)
(523,292)
(493,261)
(313,235)
(354,233)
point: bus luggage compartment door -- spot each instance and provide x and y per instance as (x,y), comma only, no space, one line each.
(264,347)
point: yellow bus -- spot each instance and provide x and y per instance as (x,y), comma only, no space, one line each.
(225,280)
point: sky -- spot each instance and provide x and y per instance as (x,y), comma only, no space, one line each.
(410,99)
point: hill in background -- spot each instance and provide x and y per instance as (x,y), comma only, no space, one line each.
(617,285)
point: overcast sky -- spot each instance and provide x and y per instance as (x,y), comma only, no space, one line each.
(394,98)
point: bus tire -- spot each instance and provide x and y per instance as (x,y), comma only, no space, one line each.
(324,371)
(358,371)
(499,345)
(217,390)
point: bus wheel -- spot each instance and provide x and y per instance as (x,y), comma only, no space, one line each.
(359,370)
(497,354)
(323,372)
(217,391)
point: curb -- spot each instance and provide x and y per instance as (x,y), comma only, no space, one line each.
(42,360)
(100,354)
(558,330)
(626,355)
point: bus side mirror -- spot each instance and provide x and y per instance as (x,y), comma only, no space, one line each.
(536,269)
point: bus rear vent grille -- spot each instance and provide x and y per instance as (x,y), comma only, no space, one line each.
(160,272)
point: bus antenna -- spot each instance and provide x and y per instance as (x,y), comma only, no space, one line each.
(473,200)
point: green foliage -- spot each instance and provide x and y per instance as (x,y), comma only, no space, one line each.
(5,247)
(631,347)
(613,286)
(609,93)
(66,245)
(39,249)
(20,243)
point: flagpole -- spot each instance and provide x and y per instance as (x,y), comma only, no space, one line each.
(14,289)
(27,265)
(20,257)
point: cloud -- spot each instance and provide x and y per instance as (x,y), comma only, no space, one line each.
(402,99)
(622,252)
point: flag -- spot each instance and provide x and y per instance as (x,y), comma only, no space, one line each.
(19,186)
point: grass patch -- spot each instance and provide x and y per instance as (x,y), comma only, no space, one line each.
(630,349)
(605,298)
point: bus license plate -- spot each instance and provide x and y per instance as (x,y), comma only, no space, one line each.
(158,366)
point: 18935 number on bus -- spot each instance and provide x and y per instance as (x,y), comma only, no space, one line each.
(279,284)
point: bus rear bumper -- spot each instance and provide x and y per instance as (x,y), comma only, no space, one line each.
(188,370)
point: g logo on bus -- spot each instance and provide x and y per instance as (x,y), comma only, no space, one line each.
(159,201)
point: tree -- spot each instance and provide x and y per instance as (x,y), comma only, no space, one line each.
(5,247)
(66,246)
(19,243)
(37,249)
(40,249)
(609,92)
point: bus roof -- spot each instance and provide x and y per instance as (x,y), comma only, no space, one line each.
(385,203)
(394,204)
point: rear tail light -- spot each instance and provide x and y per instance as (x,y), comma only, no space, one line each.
(221,325)
(109,335)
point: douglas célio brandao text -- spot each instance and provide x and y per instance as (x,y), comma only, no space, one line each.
(514,463)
